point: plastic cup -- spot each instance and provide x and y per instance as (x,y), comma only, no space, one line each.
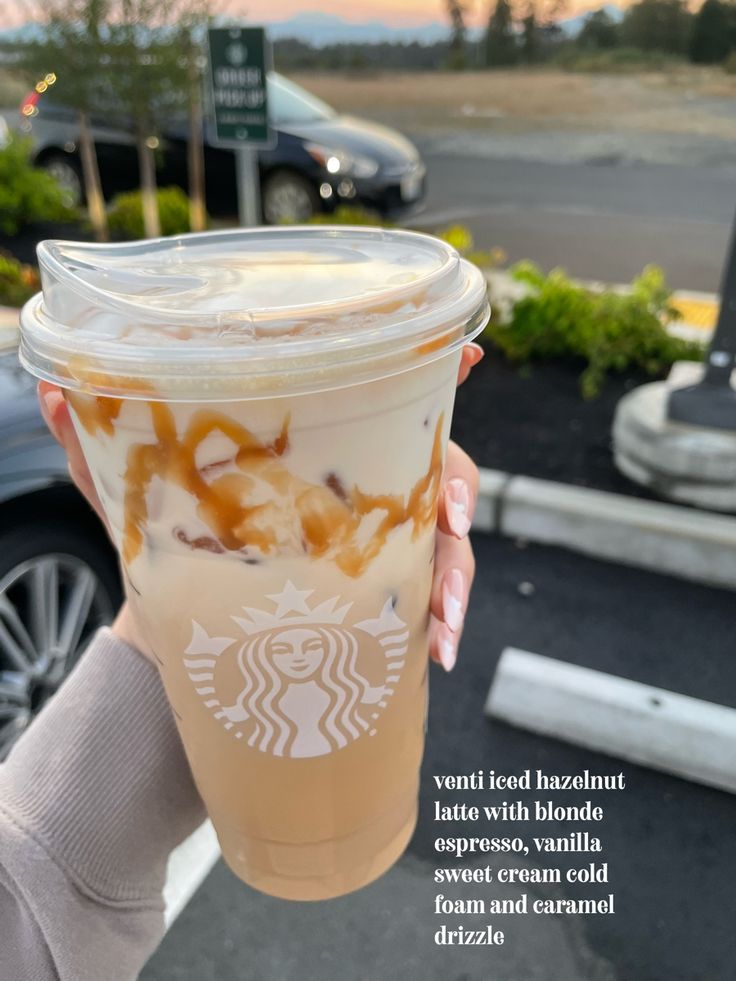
(265,415)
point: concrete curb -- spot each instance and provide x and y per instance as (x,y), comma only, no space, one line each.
(188,867)
(664,538)
(687,737)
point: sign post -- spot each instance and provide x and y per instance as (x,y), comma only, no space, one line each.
(239,60)
(712,402)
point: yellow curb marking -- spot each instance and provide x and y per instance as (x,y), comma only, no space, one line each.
(701,314)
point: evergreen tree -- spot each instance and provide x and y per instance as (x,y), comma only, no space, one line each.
(711,38)
(501,46)
(658,25)
(529,39)
(456,12)
(600,31)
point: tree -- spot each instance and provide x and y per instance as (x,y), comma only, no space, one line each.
(600,31)
(187,60)
(500,38)
(539,29)
(529,34)
(456,13)
(139,72)
(712,33)
(70,47)
(658,25)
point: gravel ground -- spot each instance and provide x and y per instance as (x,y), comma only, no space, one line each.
(681,116)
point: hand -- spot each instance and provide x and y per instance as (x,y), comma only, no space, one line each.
(56,415)
(454,562)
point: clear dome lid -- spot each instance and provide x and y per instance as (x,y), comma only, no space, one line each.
(247,313)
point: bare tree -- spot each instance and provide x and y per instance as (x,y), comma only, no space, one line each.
(70,49)
(193,17)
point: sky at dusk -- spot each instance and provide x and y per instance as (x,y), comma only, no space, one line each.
(400,13)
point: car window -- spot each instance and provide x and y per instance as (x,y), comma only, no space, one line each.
(290,103)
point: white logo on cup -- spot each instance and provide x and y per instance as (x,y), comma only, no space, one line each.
(303,693)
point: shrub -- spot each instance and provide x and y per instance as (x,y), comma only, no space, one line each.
(461,238)
(18,282)
(458,236)
(610,331)
(349,214)
(27,194)
(125,217)
(613,60)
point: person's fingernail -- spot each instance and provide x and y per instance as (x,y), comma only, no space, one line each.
(478,352)
(453,599)
(457,499)
(49,405)
(447,650)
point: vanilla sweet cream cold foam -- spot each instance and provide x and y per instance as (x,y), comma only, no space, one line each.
(265,415)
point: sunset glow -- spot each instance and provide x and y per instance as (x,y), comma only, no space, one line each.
(396,12)
(399,13)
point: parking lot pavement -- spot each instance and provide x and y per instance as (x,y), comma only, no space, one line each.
(602,221)
(669,844)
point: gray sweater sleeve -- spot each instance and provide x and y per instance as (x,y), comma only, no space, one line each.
(93,798)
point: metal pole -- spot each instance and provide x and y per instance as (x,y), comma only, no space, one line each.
(712,402)
(249,187)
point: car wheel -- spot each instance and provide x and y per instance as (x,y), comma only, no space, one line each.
(288,198)
(57,586)
(66,173)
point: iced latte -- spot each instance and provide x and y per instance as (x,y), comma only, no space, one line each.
(265,416)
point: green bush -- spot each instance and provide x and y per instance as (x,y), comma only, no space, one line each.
(349,214)
(461,238)
(18,282)
(458,236)
(615,60)
(125,217)
(27,194)
(610,331)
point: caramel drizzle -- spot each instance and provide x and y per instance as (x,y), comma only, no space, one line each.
(328,515)
(96,411)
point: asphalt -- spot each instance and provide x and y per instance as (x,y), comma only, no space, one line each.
(669,843)
(598,220)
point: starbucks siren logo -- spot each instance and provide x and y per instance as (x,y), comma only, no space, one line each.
(302,693)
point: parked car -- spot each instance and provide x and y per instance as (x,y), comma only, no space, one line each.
(320,158)
(59,577)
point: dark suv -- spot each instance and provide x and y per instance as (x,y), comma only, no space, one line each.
(59,576)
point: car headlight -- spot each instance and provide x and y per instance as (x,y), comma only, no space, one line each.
(338,161)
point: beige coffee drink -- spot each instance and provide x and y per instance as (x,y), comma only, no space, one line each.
(265,416)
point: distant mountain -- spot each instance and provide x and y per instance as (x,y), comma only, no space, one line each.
(322,29)
(23,34)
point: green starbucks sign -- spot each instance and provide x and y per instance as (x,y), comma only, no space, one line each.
(239,59)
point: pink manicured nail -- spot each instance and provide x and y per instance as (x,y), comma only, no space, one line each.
(479,352)
(457,505)
(447,648)
(453,599)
